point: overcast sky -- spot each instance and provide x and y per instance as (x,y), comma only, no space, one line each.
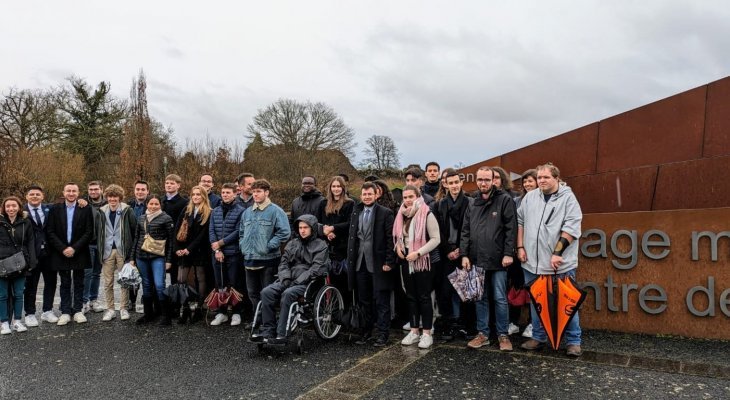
(455,82)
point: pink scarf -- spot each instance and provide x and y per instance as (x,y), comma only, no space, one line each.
(418,212)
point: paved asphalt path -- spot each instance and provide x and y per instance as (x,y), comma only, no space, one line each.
(456,373)
(118,360)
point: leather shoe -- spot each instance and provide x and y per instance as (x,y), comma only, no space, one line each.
(532,344)
(573,350)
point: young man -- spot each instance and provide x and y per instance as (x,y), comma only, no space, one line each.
(370,258)
(488,236)
(206,181)
(431,186)
(92,275)
(308,201)
(38,214)
(173,205)
(139,201)
(414,176)
(245,196)
(139,206)
(69,233)
(264,228)
(548,245)
(115,229)
(224,222)
(305,258)
(450,215)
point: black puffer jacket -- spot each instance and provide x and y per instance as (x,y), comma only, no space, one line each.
(161,228)
(304,259)
(21,231)
(307,203)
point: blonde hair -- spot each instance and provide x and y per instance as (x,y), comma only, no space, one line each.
(204,208)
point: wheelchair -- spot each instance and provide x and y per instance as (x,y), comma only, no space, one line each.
(321,306)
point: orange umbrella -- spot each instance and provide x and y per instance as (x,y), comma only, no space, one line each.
(556,300)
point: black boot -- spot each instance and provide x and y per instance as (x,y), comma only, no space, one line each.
(185,314)
(167,308)
(197,314)
(147,317)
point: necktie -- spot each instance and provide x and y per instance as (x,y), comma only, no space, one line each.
(366,219)
(38,219)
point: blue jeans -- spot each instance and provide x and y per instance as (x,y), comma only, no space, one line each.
(18,286)
(92,277)
(498,284)
(572,331)
(152,271)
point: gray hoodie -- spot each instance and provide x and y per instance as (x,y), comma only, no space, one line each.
(542,223)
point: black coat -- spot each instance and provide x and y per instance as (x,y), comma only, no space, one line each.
(160,228)
(304,259)
(383,247)
(175,206)
(307,203)
(16,237)
(196,243)
(341,222)
(448,214)
(489,230)
(81,236)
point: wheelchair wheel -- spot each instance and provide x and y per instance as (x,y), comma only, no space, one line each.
(327,307)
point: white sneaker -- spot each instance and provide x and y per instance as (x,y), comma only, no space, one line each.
(123,314)
(512,329)
(96,306)
(236,320)
(31,321)
(79,318)
(410,339)
(5,328)
(49,317)
(108,315)
(407,326)
(65,319)
(219,319)
(425,342)
(528,331)
(18,326)
(85,308)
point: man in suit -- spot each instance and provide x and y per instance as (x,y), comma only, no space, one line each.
(38,214)
(69,232)
(370,258)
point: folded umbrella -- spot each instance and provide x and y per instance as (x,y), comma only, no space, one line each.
(469,285)
(180,293)
(129,276)
(556,301)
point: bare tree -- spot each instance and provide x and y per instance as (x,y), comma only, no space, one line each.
(311,126)
(381,153)
(29,119)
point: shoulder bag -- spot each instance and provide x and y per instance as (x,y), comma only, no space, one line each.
(152,245)
(16,263)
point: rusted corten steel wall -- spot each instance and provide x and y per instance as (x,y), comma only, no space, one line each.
(652,171)
(666,155)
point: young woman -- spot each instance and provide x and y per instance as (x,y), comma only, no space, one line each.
(416,238)
(16,235)
(515,277)
(334,213)
(152,267)
(193,249)
(384,197)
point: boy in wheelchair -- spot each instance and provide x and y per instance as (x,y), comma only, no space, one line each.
(305,258)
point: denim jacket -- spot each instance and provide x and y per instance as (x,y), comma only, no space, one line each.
(264,228)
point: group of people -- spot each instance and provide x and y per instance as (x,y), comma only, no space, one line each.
(386,254)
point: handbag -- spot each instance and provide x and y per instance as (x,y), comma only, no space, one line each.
(182,233)
(518,297)
(152,245)
(14,264)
